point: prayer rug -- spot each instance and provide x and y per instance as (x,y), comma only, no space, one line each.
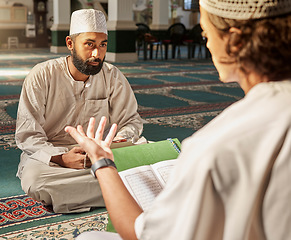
(68,229)
(177,98)
(21,209)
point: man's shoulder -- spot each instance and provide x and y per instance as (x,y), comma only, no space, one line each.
(52,63)
(47,70)
(109,67)
(111,70)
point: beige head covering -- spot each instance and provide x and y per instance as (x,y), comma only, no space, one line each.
(246,9)
(88,20)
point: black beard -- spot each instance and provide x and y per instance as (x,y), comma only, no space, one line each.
(84,67)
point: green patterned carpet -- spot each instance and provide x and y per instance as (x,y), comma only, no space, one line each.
(176,98)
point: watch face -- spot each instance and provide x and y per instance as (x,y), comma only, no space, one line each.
(104,162)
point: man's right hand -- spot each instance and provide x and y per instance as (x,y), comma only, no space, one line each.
(72,159)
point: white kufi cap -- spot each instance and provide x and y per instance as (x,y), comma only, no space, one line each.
(247,9)
(88,20)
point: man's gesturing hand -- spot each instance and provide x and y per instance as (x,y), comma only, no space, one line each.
(91,142)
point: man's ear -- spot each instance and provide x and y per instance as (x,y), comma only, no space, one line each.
(235,41)
(70,43)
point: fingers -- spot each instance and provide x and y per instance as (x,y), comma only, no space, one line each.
(109,138)
(100,129)
(74,133)
(78,150)
(90,129)
(79,134)
(81,130)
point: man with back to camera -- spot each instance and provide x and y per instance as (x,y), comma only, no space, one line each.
(67,91)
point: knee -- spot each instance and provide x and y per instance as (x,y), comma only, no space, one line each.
(29,177)
(33,183)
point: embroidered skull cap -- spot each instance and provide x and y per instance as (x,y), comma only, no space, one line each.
(88,20)
(247,9)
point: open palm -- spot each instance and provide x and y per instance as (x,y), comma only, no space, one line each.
(91,142)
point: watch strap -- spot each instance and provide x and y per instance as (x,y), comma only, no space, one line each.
(104,162)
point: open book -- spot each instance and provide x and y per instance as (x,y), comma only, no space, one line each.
(145,182)
(136,165)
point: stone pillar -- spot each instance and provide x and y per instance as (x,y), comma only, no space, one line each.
(61,25)
(160,15)
(121,31)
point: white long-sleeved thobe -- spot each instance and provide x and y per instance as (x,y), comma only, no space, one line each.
(51,99)
(232,178)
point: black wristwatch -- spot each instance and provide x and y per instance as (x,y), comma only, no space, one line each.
(104,162)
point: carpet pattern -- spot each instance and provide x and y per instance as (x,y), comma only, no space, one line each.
(176,98)
(68,229)
(21,209)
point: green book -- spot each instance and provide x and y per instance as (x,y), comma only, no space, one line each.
(144,169)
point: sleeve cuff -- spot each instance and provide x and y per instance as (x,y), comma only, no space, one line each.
(139,225)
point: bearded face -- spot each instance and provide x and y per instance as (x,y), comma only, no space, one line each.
(84,66)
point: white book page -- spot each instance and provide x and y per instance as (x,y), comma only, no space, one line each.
(144,182)
(163,169)
(142,185)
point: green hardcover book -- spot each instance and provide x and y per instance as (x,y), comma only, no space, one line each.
(144,156)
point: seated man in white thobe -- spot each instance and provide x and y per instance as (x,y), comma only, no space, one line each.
(67,91)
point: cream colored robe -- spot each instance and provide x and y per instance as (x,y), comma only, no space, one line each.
(233,177)
(51,99)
